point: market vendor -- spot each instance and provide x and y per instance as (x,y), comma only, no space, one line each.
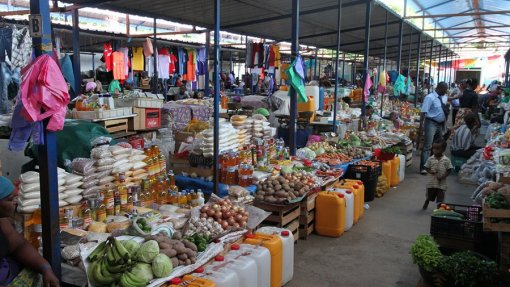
(20,263)
(371,116)
(464,138)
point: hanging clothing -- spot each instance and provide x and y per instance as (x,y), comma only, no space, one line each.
(137,63)
(399,86)
(267,48)
(68,71)
(173,62)
(182,61)
(21,47)
(249,53)
(125,52)
(114,87)
(256,54)
(277,62)
(191,65)
(9,83)
(149,66)
(201,62)
(295,73)
(148,48)
(367,86)
(119,70)
(107,56)
(163,66)
(271,56)
(5,43)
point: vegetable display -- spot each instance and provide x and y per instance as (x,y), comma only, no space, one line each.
(325,146)
(200,241)
(497,201)
(333,158)
(204,226)
(279,189)
(226,214)
(126,263)
(180,252)
(425,253)
(467,269)
(382,186)
(444,211)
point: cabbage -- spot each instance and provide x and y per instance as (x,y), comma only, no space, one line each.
(143,271)
(147,251)
(131,246)
(305,153)
(161,265)
(320,150)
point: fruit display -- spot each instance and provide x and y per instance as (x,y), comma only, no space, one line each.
(322,147)
(227,214)
(445,211)
(204,227)
(180,252)
(200,241)
(127,263)
(279,189)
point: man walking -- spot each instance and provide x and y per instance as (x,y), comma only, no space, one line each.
(433,116)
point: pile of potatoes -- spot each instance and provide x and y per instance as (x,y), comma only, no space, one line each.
(354,152)
(278,189)
(181,252)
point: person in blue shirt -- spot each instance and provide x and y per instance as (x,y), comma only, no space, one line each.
(432,120)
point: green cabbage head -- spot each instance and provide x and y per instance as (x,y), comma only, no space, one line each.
(161,265)
(143,271)
(147,251)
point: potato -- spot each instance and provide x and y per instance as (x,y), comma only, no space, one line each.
(188,262)
(169,252)
(182,262)
(277,187)
(191,252)
(182,256)
(281,180)
(164,245)
(281,194)
(180,248)
(270,198)
(177,235)
(190,245)
(259,196)
(291,195)
(286,187)
(193,260)
(175,261)
(270,190)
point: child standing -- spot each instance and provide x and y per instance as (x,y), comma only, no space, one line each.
(438,167)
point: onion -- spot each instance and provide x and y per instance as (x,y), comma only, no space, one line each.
(218,214)
(224,224)
(215,207)
(223,208)
(242,223)
(203,215)
(239,217)
(205,208)
(235,208)
(245,218)
(227,214)
(211,212)
(236,225)
(231,221)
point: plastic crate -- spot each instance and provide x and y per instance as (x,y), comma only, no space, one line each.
(361,172)
(469,229)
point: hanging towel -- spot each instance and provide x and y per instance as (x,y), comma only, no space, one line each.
(399,86)
(408,85)
(295,73)
(67,70)
(382,79)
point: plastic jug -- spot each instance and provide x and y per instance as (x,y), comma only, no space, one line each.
(275,246)
(262,257)
(349,207)
(395,166)
(193,281)
(288,250)
(358,202)
(386,169)
(330,214)
(244,266)
(221,273)
(402,169)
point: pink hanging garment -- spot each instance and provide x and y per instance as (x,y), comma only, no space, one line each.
(44,93)
(368,85)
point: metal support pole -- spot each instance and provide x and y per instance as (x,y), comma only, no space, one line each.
(315,65)
(207,91)
(377,84)
(343,67)
(446,67)
(216,76)
(417,71)
(451,69)
(76,53)
(293,94)
(368,15)
(337,63)
(400,36)
(231,64)
(439,63)
(385,40)
(507,69)
(221,62)
(353,69)
(155,79)
(430,65)
(410,52)
(48,179)
(94,65)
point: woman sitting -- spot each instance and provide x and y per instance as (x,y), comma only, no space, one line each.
(464,137)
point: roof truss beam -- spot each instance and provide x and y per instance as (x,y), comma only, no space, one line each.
(459,14)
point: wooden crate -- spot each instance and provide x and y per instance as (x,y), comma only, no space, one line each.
(491,213)
(114,126)
(307,216)
(283,216)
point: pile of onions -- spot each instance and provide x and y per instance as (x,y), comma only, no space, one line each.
(226,214)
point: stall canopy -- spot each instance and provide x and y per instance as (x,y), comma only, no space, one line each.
(272,20)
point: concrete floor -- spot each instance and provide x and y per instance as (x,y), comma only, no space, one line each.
(375,252)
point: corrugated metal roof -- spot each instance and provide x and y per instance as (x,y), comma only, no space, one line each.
(272,20)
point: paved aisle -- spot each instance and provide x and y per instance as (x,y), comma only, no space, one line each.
(375,252)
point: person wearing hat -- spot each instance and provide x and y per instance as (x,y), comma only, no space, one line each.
(19,261)
(7,194)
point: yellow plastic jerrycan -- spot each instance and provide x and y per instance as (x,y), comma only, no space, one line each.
(358,188)
(275,246)
(386,169)
(193,281)
(395,171)
(330,214)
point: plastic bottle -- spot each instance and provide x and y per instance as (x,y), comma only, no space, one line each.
(200,198)
(330,214)
(275,246)
(244,266)
(109,200)
(288,250)
(101,211)
(86,215)
(130,202)
(386,169)
(402,169)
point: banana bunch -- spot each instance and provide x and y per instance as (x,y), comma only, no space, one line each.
(109,264)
